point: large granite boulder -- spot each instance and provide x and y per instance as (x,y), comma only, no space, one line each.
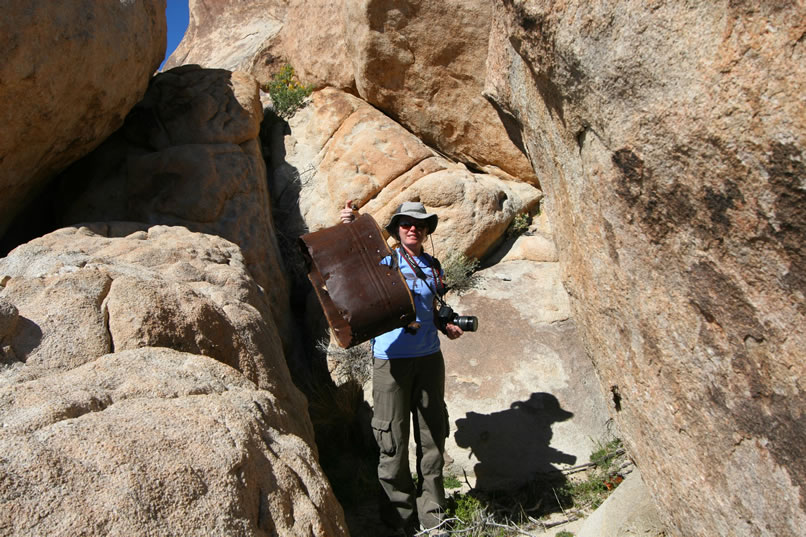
(80,293)
(229,35)
(154,441)
(670,141)
(313,41)
(187,155)
(143,389)
(423,64)
(261,36)
(68,78)
(340,148)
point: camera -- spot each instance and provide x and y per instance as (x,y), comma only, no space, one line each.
(445,315)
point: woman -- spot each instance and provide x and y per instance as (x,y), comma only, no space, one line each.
(409,379)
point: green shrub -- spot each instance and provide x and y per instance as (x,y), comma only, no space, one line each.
(606,453)
(519,225)
(460,272)
(600,480)
(286,92)
(589,493)
(451,482)
(468,510)
(563,533)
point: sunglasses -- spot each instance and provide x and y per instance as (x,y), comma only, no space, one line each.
(407,224)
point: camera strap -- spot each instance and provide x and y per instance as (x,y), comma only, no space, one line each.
(418,271)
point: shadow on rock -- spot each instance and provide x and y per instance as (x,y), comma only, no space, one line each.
(513,446)
(27,337)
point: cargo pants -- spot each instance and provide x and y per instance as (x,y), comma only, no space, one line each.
(403,387)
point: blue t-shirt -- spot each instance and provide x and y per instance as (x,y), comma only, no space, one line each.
(401,344)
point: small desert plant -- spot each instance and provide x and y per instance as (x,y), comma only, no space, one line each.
(470,515)
(511,512)
(588,493)
(451,482)
(468,510)
(519,225)
(606,453)
(286,92)
(353,364)
(460,273)
(601,478)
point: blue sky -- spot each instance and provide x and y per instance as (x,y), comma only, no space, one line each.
(177,13)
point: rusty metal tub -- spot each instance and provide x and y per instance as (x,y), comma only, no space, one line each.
(361,298)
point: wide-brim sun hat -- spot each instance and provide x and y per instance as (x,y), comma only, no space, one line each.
(412,209)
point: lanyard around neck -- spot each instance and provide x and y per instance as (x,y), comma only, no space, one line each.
(418,271)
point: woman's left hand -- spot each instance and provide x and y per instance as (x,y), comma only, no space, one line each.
(453,331)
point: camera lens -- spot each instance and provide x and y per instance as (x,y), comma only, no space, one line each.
(467,323)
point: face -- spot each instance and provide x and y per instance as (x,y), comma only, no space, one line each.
(412,233)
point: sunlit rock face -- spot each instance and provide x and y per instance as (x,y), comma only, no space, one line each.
(228,35)
(669,141)
(421,63)
(523,397)
(68,78)
(187,155)
(339,148)
(261,36)
(143,389)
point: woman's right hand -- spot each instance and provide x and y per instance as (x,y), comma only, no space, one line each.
(453,331)
(348,214)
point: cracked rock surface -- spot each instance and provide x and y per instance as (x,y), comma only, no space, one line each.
(669,139)
(341,148)
(128,342)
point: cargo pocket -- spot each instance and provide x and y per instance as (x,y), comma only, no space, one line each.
(382,429)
